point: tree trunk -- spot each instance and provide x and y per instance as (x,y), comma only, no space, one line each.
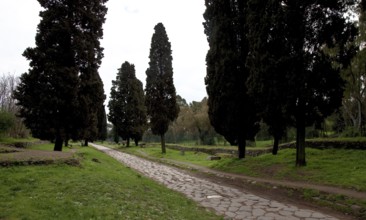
(359,117)
(275,144)
(66,142)
(136,142)
(163,150)
(241,148)
(58,143)
(128,142)
(300,140)
(85,143)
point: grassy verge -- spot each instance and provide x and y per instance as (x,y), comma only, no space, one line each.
(101,188)
(9,140)
(337,167)
(340,168)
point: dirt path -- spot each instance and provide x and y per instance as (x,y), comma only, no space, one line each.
(225,199)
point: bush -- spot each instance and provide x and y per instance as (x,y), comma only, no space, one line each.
(6,121)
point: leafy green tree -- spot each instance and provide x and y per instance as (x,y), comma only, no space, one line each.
(162,107)
(201,122)
(353,105)
(231,110)
(127,110)
(62,91)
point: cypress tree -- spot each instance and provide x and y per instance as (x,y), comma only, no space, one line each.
(292,71)
(59,94)
(161,104)
(267,63)
(102,124)
(127,110)
(231,110)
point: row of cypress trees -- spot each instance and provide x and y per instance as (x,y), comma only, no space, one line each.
(276,61)
(130,111)
(61,96)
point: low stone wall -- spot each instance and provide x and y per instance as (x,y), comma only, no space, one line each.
(214,151)
(328,144)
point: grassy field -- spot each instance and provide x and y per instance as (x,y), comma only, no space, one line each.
(100,188)
(343,168)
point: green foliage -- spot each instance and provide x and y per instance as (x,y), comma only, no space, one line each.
(102,124)
(6,121)
(162,107)
(231,110)
(192,124)
(105,190)
(60,95)
(353,111)
(293,56)
(127,110)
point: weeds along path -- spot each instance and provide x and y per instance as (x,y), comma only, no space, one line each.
(224,200)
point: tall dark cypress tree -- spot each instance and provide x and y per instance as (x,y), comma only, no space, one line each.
(127,110)
(161,104)
(89,17)
(231,110)
(63,71)
(291,68)
(268,61)
(315,83)
(102,124)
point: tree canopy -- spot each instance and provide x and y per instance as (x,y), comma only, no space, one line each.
(127,110)
(162,107)
(292,71)
(61,93)
(231,110)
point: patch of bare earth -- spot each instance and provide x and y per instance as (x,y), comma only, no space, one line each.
(10,156)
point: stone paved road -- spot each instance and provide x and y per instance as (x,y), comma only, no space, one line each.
(229,202)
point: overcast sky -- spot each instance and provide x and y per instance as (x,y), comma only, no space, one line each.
(127,37)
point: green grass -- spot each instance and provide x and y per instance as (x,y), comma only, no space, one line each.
(338,167)
(345,168)
(94,190)
(9,140)
(197,158)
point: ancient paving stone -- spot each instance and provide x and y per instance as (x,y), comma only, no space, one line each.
(258,212)
(303,214)
(234,204)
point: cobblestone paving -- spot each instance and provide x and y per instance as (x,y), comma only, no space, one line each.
(226,201)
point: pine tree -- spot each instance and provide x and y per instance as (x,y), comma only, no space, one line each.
(161,103)
(62,84)
(231,110)
(127,110)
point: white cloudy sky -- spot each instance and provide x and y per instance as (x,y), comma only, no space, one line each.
(127,37)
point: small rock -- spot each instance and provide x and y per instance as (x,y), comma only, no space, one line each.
(213,158)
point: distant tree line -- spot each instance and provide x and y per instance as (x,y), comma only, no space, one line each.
(10,125)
